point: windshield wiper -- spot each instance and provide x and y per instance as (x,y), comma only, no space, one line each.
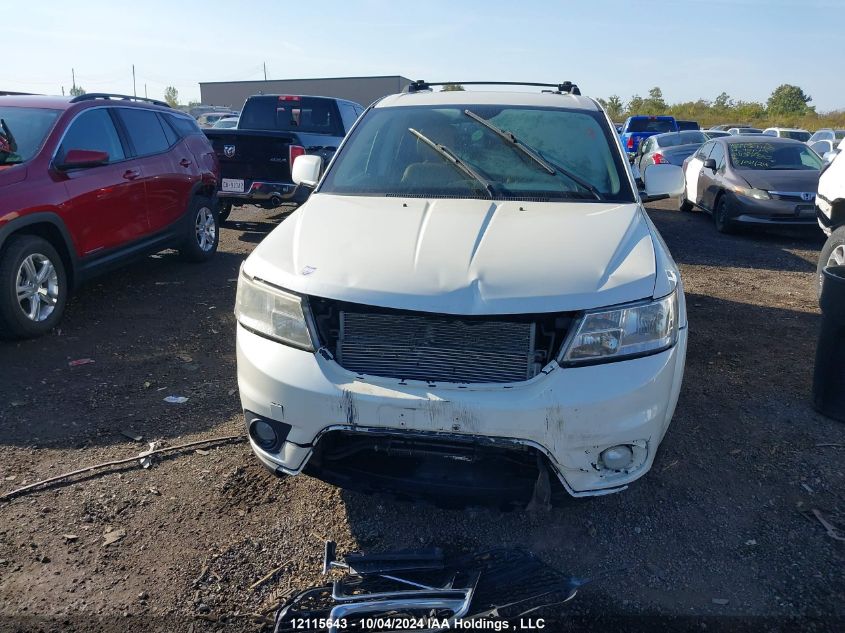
(533,154)
(450,156)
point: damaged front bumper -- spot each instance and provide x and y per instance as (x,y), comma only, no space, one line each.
(571,415)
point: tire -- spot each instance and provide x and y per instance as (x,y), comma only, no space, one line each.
(31,263)
(225,210)
(202,231)
(832,253)
(720,216)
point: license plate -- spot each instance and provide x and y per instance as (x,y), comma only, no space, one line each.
(235,185)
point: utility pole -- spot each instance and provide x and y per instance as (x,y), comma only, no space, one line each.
(134,92)
(63,91)
(265,71)
(73,74)
(145,91)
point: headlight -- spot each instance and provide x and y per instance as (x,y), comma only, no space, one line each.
(625,331)
(757,194)
(273,313)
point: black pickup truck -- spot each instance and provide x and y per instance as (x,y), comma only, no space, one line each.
(256,157)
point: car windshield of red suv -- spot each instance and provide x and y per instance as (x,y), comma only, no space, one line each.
(22,131)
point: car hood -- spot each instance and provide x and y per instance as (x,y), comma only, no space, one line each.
(782,179)
(461,256)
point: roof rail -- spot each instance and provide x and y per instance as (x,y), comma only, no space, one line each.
(567,87)
(89,96)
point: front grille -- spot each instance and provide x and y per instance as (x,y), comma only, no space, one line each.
(436,348)
(793,196)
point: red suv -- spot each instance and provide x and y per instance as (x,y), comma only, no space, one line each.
(87,183)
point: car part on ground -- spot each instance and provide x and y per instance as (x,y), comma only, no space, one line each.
(829,374)
(427,591)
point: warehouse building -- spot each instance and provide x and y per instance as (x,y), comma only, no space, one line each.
(363,90)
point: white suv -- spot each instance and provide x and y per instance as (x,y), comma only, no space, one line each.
(472,299)
(830,209)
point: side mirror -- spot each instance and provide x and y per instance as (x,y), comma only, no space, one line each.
(710,163)
(82,159)
(662,181)
(306,170)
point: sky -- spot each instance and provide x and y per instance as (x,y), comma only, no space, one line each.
(689,48)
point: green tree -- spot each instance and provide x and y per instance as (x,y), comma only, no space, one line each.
(451,88)
(614,107)
(171,95)
(635,105)
(76,91)
(655,103)
(788,99)
(723,101)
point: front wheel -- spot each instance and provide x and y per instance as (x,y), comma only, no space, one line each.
(832,254)
(202,232)
(33,287)
(722,216)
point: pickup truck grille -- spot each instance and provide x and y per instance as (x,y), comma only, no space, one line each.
(437,348)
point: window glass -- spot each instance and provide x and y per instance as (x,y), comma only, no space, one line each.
(839,134)
(347,113)
(93,130)
(688,137)
(386,156)
(772,156)
(704,151)
(185,125)
(144,131)
(169,133)
(658,126)
(22,132)
(291,114)
(797,135)
(718,154)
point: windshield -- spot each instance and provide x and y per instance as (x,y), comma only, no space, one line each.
(291,114)
(681,138)
(657,126)
(796,134)
(22,132)
(771,156)
(386,156)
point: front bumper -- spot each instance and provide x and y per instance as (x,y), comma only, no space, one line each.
(772,212)
(264,193)
(569,414)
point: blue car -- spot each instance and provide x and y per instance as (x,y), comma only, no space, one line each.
(638,127)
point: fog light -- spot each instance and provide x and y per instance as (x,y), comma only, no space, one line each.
(263,434)
(617,457)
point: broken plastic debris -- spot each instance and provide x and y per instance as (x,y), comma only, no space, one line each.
(201,451)
(176,399)
(80,361)
(132,435)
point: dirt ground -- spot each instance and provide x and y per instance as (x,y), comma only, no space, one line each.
(719,535)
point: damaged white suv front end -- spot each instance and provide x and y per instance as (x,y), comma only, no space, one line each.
(473,293)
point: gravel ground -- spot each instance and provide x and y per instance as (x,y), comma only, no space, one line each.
(719,535)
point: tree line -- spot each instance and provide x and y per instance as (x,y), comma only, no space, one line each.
(787,106)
